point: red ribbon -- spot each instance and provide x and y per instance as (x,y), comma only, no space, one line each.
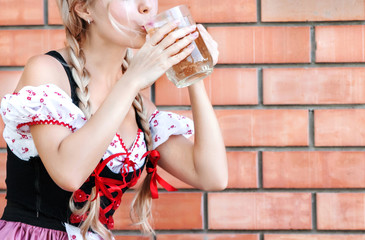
(101,183)
(107,186)
(151,166)
(101,188)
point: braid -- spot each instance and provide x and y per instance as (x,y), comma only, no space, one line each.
(81,77)
(75,33)
(141,205)
(127,59)
(142,113)
(142,202)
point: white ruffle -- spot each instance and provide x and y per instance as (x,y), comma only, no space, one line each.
(45,104)
(164,124)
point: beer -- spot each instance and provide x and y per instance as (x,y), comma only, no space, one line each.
(198,64)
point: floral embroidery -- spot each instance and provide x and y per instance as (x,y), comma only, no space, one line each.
(165,124)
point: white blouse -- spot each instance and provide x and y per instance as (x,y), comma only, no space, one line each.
(48,104)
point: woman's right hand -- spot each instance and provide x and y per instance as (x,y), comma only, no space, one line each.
(165,48)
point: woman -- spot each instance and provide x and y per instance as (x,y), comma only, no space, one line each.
(79,133)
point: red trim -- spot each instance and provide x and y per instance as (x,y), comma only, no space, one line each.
(47,122)
(154,115)
(134,142)
(122,143)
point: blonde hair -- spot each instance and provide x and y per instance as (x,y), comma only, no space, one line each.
(141,205)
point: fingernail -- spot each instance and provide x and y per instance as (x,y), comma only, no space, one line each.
(176,22)
(191,46)
(195,34)
(192,27)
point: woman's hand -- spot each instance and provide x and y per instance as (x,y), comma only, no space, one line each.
(165,48)
(211,44)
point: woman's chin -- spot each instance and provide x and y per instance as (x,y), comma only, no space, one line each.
(138,42)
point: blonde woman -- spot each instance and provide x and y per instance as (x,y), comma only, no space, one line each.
(79,134)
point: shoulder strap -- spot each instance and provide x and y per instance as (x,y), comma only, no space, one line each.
(71,80)
(73,86)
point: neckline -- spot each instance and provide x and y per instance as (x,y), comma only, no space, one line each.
(130,149)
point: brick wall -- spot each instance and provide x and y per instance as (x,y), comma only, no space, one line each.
(289,93)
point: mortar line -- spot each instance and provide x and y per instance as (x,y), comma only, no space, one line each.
(45,12)
(313,44)
(314,211)
(311,129)
(260,171)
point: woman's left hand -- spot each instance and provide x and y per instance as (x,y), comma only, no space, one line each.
(211,44)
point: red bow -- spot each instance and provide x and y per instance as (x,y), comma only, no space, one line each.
(152,169)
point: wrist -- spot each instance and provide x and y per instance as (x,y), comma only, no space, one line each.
(198,86)
(129,83)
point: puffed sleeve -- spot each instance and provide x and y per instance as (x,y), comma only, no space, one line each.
(164,124)
(45,104)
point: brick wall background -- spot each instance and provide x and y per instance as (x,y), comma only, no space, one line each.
(289,92)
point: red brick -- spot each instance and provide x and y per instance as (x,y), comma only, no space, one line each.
(208,237)
(21,12)
(261,127)
(2,203)
(341,211)
(259,211)
(242,168)
(2,170)
(264,127)
(314,86)
(339,127)
(132,237)
(180,237)
(340,43)
(17,46)
(314,169)
(262,44)
(54,17)
(170,211)
(239,83)
(311,10)
(233,237)
(216,11)
(313,237)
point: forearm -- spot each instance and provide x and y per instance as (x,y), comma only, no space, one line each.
(81,151)
(209,150)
